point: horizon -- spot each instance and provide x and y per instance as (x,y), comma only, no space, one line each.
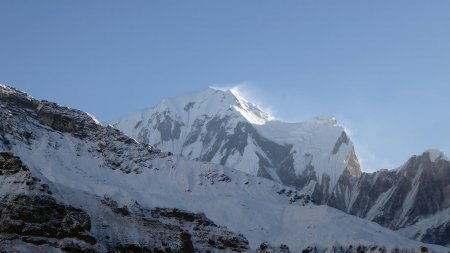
(380,68)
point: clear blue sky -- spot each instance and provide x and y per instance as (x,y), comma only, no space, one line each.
(382,68)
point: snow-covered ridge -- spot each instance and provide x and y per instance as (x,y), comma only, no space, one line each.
(82,162)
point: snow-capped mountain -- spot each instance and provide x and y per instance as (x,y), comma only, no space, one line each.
(69,184)
(317,157)
(222,127)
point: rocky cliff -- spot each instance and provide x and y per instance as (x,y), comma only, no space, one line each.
(403,198)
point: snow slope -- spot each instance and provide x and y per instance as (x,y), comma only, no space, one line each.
(222,127)
(82,161)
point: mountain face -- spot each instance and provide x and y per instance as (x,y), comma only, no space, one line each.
(414,199)
(223,128)
(316,157)
(69,184)
(34,219)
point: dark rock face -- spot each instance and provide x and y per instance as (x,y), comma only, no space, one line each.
(62,119)
(195,132)
(111,203)
(418,189)
(214,139)
(18,98)
(373,186)
(33,216)
(321,190)
(432,180)
(180,215)
(10,164)
(189,106)
(435,182)
(55,121)
(438,235)
(43,216)
(341,140)
(309,249)
(266,248)
(168,127)
(340,196)
(203,231)
(173,230)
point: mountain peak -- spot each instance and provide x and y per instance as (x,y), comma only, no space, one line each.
(221,126)
(435,155)
(252,112)
(212,102)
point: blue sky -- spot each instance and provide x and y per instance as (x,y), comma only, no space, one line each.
(382,68)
